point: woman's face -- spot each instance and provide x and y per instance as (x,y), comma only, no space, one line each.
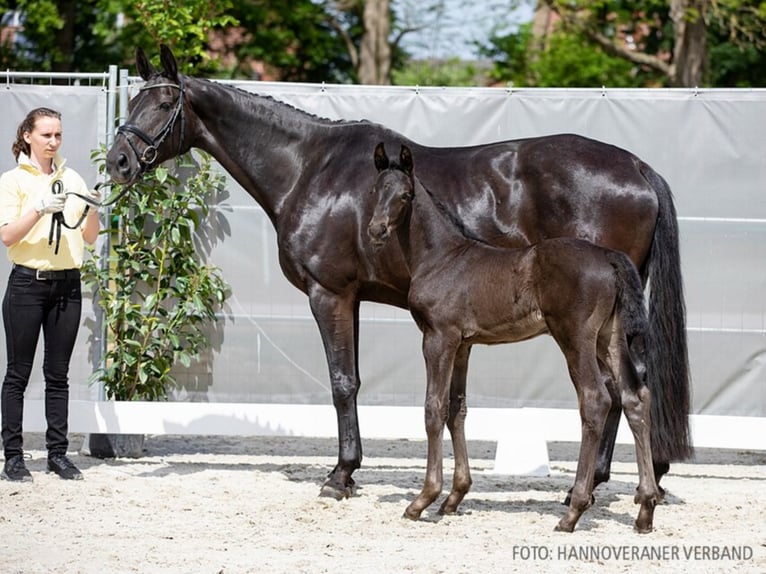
(45,139)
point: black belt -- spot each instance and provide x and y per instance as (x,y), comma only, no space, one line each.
(39,274)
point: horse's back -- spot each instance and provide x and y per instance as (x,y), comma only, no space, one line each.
(520,192)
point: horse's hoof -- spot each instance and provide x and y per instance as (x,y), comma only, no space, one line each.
(330,490)
(411,514)
(646,529)
(564,527)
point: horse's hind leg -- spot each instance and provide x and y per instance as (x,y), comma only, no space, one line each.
(338,322)
(461,479)
(439,355)
(636,400)
(609,436)
(637,352)
(594,403)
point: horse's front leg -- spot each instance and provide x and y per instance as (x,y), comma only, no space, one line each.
(461,479)
(338,321)
(439,357)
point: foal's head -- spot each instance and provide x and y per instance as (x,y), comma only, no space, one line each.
(393,192)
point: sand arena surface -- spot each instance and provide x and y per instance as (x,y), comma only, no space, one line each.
(231,505)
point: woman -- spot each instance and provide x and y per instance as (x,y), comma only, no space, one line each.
(43,291)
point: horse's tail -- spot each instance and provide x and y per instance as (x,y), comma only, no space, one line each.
(666,349)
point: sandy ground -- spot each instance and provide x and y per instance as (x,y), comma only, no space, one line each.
(239,505)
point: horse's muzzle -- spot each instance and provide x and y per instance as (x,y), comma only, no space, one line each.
(120,167)
(379,233)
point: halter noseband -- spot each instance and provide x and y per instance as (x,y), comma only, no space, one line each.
(149,155)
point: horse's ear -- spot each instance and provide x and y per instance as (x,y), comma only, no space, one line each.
(145,69)
(381,159)
(168,61)
(405,159)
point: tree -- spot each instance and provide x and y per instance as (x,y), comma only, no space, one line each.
(184,27)
(663,42)
(54,36)
(88,35)
(373,40)
(375,51)
(450,72)
(295,41)
(367,38)
(158,294)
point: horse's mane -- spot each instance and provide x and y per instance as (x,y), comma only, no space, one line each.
(265,97)
(451,218)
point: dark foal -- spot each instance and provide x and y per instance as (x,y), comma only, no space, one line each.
(463,292)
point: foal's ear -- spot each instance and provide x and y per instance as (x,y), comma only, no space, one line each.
(168,61)
(405,159)
(145,68)
(381,159)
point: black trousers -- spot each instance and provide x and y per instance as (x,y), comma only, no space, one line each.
(31,305)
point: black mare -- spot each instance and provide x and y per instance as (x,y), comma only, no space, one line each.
(312,176)
(464,292)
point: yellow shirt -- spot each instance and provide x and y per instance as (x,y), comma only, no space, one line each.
(21,189)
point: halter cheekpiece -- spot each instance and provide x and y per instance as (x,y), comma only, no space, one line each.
(147,158)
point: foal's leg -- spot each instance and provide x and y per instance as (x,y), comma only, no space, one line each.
(594,402)
(439,354)
(636,400)
(461,479)
(609,436)
(338,322)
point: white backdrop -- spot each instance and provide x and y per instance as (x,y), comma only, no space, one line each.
(708,144)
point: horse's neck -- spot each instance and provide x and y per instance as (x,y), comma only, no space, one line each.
(252,137)
(429,230)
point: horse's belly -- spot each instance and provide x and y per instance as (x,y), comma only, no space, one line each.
(506,330)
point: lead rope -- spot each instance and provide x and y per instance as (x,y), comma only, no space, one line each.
(57,219)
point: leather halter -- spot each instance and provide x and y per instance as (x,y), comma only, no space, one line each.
(147,158)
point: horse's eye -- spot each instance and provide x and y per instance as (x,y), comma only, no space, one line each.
(407,196)
(165,106)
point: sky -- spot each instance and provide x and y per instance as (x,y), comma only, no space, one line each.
(452,32)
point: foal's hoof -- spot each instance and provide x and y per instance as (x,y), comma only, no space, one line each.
(564,527)
(411,513)
(447,511)
(643,529)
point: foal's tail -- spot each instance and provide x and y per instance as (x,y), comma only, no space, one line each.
(632,310)
(667,355)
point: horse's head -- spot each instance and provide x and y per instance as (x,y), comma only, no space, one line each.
(393,192)
(154,130)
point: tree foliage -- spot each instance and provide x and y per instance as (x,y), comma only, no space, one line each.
(610,42)
(298,40)
(450,72)
(636,43)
